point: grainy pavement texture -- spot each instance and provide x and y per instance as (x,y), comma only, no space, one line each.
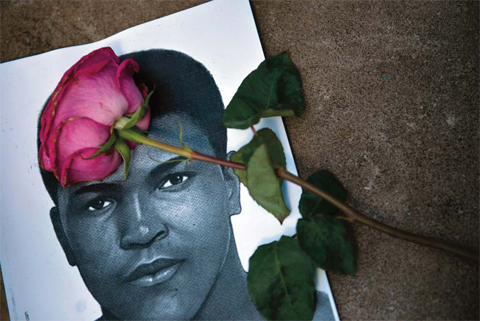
(392,109)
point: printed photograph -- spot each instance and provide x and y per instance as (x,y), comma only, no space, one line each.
(171,242)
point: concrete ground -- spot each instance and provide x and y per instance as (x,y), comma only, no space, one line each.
(392,110)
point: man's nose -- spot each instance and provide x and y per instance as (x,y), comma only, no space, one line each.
(140,226)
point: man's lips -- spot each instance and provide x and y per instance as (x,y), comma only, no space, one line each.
(155,272)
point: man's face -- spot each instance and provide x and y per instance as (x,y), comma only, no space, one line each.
(152,247)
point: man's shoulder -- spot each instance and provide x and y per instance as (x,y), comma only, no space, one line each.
(323,310)
(107,316)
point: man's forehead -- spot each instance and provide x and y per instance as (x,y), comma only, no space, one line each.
(145,159)
(167,129)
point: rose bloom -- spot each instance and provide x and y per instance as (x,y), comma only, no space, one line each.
(91,96)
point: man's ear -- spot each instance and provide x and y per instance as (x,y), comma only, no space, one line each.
(233,188)
(61,236)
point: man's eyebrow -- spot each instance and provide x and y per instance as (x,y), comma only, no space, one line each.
(168,165)
(94,188)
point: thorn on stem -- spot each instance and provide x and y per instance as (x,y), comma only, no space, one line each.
(253,130)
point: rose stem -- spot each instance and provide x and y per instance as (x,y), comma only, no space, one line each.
(214,160)
(356,216)
(352,214)
(136,137)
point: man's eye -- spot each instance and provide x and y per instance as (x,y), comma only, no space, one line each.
(98,205)
(174,180)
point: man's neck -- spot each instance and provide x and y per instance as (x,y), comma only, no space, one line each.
(229,298)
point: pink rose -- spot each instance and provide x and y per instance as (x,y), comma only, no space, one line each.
(79,117)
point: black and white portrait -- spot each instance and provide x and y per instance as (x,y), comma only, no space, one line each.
(172,241)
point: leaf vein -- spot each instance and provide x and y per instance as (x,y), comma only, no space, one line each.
(281,276)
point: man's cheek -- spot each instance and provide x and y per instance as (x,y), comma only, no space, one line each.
(93,243)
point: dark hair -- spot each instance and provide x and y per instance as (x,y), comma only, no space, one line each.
(182,85)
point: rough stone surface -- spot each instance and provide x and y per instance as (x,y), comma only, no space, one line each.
(392,94)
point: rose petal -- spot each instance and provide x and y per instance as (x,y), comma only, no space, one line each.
(143,89)
(49,112)
(77,168)
(130,144)
(145,122)
(127,85)
(50,120)
(95,61)
(92,62)
(44,159)
(95,96)
(73,135)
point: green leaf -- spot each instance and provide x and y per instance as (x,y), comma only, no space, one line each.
(323,239)
(312,205)
(122,147)
(139,113)
(105,147)
(275,148)
(273,89)
(264,185)
(241,174)
(275,151)
(281,281)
